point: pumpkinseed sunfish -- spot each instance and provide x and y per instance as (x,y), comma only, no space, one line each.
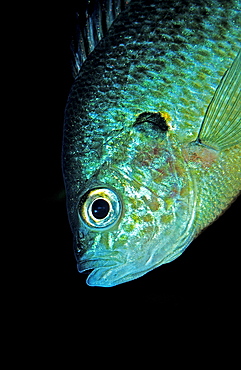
(152,135)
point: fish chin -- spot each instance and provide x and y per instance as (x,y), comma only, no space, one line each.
(111,276)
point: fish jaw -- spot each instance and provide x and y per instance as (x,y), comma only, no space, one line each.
(115,275)
(109,270)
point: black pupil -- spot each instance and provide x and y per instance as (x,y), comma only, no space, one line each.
(100,208)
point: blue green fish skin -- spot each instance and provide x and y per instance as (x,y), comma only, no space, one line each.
(158,56)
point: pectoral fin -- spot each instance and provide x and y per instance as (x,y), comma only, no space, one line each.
(221,127)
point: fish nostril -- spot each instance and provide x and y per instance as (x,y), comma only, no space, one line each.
(80,235)
(79,242)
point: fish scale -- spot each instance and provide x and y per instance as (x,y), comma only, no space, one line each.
(168,58)
(212,188)
(136,95)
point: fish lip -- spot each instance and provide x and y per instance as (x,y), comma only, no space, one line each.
(96,263)
(101,265)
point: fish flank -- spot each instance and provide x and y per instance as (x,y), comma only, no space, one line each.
(152,131)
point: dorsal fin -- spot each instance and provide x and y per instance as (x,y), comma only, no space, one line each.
(92,23)
(221,127)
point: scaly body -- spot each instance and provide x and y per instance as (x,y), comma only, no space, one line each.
(135,123)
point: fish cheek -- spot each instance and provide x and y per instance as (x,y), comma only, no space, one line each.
(139,226)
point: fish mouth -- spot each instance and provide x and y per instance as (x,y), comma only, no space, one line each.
(91,264)
(108,273)
(99,270)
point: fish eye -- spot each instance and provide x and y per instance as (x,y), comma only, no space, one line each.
(100,208)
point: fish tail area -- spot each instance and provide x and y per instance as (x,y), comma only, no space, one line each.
(221,127)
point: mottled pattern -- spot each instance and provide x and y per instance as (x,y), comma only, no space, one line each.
(159,56)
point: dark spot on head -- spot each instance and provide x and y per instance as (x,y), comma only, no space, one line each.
(153,124)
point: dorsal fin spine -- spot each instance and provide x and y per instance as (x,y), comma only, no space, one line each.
(99,15)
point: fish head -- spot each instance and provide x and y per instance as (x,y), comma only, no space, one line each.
(134,213)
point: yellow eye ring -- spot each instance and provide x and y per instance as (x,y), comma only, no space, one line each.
(100,208)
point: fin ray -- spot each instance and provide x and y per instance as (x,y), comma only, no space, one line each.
(221,127)
(92,22)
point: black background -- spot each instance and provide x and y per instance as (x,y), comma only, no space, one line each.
(208,271)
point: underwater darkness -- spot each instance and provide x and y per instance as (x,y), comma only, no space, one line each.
(207,271)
